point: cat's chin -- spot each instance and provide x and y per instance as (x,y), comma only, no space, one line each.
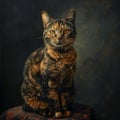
(58,45)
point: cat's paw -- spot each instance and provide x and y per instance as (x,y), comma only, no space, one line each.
(58,114)
(27,108)
(67,113)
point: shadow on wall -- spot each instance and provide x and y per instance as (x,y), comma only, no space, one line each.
(97,69)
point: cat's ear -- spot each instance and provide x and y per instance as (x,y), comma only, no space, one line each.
(71,15)
(46,18)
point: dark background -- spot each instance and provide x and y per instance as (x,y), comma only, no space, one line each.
(98,44)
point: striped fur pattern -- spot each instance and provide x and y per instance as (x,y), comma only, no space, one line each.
(48,86)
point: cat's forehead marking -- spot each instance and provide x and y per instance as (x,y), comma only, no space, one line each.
(59,24)
(55,25)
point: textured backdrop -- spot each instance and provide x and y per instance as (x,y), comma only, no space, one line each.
(97,43)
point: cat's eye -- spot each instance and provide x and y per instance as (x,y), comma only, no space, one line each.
(67,31)
(52,32)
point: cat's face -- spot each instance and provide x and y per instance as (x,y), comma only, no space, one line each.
(60,32)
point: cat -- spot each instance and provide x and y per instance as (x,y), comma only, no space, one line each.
(48,86)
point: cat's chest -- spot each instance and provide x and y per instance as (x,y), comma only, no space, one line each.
(49,67)
(53,66)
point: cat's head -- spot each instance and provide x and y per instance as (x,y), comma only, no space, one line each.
(59,33)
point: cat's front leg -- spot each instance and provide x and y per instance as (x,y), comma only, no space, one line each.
(67,104)
(54,95)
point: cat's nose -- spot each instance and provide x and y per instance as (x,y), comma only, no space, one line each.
(60,37)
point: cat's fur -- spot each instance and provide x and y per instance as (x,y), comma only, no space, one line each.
(48,86)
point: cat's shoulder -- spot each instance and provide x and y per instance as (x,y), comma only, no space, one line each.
(36,56)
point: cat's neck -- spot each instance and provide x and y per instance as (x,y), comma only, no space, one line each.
(59,50)
(55,55)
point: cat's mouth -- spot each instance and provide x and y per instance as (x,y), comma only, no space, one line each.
(63,43)
(58,44)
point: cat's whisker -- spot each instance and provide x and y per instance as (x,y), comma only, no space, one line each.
(39,37)
(78,45)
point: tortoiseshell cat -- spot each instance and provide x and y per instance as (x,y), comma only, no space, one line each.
(48,86)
